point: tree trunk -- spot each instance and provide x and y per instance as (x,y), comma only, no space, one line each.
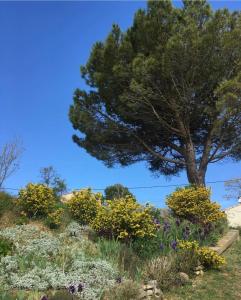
(195,175)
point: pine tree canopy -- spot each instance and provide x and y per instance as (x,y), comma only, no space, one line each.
(167,91)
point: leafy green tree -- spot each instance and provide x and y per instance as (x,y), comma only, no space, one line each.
(167,91)
(117,191)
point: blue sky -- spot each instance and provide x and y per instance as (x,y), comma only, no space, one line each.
(42,47)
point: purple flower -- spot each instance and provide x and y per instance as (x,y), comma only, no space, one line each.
(71,289)
(161,246)
(44,298)
(166,226)
(174,245)
(80,287)
(178,222)
(156,221)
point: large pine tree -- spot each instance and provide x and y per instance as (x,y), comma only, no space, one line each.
(167,91)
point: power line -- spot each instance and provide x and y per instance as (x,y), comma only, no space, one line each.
(145,187)
(165,186)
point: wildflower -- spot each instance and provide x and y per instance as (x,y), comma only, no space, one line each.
(80,287)
(161,246)
(174,245)
(71,289)
(44,298)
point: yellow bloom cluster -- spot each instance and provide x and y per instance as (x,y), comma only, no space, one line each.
(188,245)
(55,217)
(194,203)
(124,218)
(210,258)
(207,257)
(36,199)
(84,205)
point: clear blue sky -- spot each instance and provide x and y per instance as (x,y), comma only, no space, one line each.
(42,45)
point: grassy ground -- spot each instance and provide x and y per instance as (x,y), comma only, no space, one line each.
(215,285)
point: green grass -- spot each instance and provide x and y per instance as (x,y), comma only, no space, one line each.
(215,285)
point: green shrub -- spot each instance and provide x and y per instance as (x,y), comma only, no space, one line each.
(36,200)
(6,246)
(120,255)
(6,202)
(193,203)
(124,219)
(21,219)
(84,205)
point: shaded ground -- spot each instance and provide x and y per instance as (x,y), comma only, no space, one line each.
(215,285)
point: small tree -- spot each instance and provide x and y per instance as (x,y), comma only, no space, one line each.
(50,178)
(10,154)
(117,191)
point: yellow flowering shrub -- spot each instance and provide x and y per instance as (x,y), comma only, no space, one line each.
(36,200)
(84,205)
(124,219)
(188,245)
(194,203)
(210,258)
(206,256)
(54,218)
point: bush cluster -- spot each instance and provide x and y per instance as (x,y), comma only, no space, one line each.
(193,203)
(124,219)
(36,200)
(207,257)
(84,205)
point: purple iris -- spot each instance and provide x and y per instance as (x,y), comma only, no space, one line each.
(186,232)
(44,298)
(166,226)
(156,221)
(71,289)
(178,222)
(174,245)
(80,287)
(161,246)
